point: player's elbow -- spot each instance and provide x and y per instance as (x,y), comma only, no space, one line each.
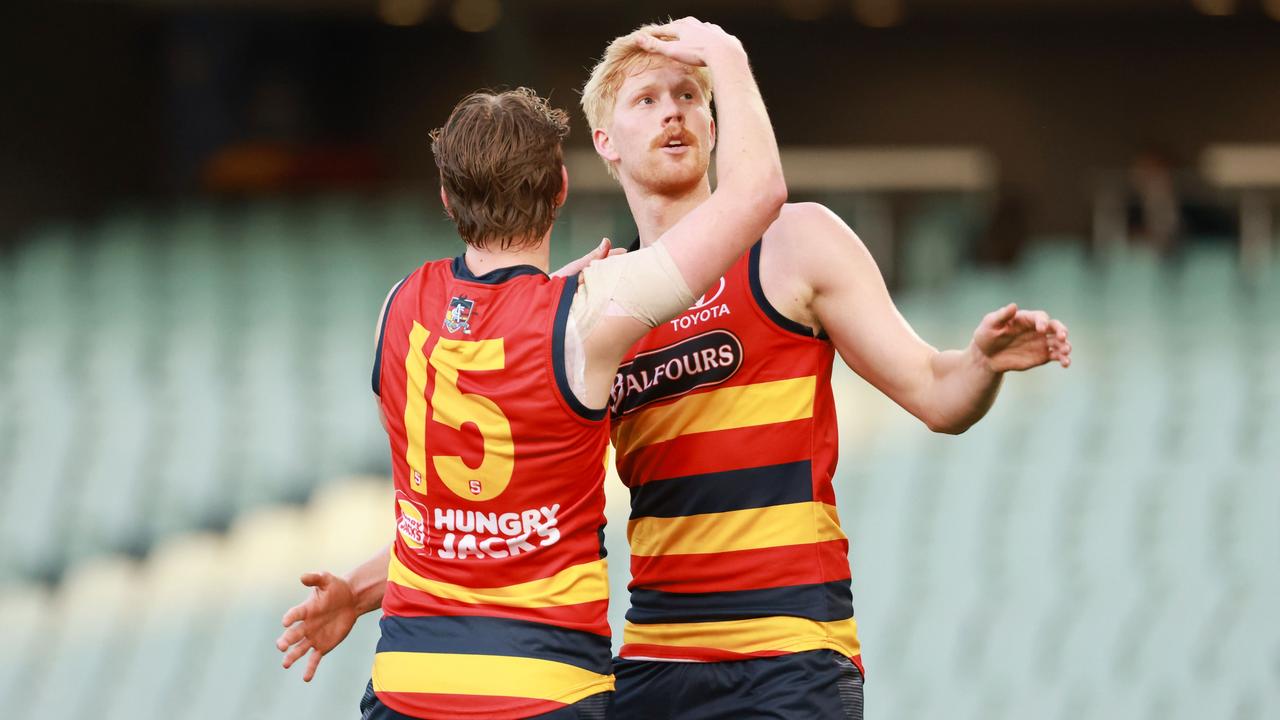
(773,193)
(765,196)
(948,426)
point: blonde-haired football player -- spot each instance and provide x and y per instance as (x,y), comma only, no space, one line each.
(740,595)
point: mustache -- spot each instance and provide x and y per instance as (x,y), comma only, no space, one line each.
(684,137)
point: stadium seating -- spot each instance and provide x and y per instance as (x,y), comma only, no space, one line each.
(174,385)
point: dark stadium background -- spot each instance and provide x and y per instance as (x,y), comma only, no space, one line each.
(202,203)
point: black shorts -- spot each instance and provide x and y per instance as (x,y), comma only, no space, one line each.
(814,685)
(596,707)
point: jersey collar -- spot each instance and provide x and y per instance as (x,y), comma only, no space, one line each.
(493,277)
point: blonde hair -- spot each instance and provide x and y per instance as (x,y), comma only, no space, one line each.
(623,58)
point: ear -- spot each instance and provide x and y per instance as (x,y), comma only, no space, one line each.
(444,200)
(713,133)
(604,145)
(564,187)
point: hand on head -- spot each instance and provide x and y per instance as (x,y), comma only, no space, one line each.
(688,40)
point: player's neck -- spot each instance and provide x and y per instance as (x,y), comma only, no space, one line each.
(655,213)
(488,259)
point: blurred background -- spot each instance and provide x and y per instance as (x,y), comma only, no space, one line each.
(204,202)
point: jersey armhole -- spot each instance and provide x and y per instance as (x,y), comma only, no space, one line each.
(757,292)
(376,380)
(558,356)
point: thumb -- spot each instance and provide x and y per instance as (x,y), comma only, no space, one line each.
(602,250)
(1004,314)
(315,579)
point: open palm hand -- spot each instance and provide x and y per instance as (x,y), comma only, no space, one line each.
(319,623)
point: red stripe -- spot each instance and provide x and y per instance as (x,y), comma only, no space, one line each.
(743,569)
(576,546)
(466,707)
(704,654)
(824,492)
(718,451)
(589,617)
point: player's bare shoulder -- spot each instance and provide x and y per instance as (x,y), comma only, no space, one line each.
(785,260)
(809,230)
(813,244)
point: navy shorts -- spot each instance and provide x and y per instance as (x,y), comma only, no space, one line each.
(596,707)
(814,685)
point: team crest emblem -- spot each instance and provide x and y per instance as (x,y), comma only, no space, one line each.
(458,316)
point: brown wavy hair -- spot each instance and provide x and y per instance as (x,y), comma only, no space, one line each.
(500,155)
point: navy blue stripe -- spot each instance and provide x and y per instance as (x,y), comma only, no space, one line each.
(496,636)
(382,330)
(757,291)
(724,491)
(557,353)
(823,602)
(493,277)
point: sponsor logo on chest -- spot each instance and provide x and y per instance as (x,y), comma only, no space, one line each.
(667,372)
(704,309)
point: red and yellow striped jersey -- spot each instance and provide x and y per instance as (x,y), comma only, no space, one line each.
(497,589)
(725,430)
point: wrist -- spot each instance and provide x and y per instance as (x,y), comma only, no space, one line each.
(726,55)
(980,359)
(363,591)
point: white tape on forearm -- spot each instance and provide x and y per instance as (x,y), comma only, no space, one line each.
(645,285)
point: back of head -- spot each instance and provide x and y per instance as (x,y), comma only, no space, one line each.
(500,160)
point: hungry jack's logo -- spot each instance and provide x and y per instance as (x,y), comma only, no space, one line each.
(458,316)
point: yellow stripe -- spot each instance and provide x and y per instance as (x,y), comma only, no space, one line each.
(763,403)
(492,675)
(777,634)
(577,584)
(415,408)
(774,526)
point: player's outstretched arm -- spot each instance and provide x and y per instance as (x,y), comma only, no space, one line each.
(322,621)
(948,390)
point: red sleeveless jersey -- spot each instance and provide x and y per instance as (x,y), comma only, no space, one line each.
(497,589)
(725,430)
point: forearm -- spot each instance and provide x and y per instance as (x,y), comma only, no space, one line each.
(961,389)
(368,581)
(750,191)
(747,157)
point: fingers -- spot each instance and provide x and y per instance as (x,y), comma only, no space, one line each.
(1058,329)
(313,662)
(671,28)
(294,614)
(1063,354)
(296,652)
(1038,319)
(290,636)
(647,40)
(996,318)
(617,251)
(684,41)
